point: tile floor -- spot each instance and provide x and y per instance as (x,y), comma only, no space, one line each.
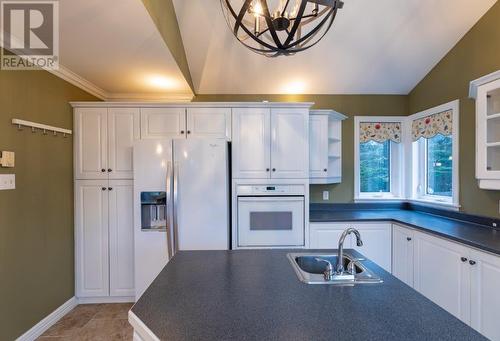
(92,322)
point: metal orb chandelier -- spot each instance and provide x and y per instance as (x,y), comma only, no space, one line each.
(280,27)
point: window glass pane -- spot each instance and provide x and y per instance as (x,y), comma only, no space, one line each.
(375,161)
(439,166)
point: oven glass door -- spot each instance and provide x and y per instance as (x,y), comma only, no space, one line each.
(271,221)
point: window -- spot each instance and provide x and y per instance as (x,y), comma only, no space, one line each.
(378,155)
(375,167)
(439,166)
(435,155)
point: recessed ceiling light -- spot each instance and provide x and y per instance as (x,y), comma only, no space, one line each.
(162,82)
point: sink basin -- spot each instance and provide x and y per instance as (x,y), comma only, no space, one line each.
(310,267)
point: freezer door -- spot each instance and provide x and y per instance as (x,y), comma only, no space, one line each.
(152,209)
(201,200)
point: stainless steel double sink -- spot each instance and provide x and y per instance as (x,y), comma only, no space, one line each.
(310,269)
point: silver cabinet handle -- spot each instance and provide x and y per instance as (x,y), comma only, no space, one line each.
(175,205)
(169,209)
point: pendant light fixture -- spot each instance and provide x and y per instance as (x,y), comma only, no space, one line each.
(280,27)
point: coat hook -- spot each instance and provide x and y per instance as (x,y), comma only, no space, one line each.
(55,133)
(44,132)
(19,127)
(33,130)
(64,135)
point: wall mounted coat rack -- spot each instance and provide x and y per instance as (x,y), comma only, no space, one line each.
(42,127)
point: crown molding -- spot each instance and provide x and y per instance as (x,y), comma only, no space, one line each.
(149,97)
(80,82)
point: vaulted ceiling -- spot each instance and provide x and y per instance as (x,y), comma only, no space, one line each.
(168,49)
(373,47)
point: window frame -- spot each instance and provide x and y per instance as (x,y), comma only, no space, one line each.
(419,161)
(396,183)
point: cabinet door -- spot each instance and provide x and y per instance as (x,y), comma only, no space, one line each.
(318,146)
(251,152)
(163,123)
(377,243)
(121,238)
(327,235)
(209,123)
(91,146)
(91,235)
(441,275)
(402,254)
(290,143)
(485,300)
(123,130)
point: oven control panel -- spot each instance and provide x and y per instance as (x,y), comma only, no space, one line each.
(270,190)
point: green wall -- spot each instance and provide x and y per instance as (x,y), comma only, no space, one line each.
(36,219)
(349,105)
(475,55)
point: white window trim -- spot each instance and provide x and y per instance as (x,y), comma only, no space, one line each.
(397,160)
(408,161)
(416,165)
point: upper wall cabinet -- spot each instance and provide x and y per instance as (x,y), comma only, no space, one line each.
(486,91)
(209,123)
(163,123)
(104,140)
(186,123)
(325,146)
(270,143)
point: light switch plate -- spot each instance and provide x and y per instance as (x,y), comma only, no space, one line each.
(7,159)
(326,195)
(7,181)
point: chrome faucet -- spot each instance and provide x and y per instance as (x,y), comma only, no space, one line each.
(340,261)
(328,273)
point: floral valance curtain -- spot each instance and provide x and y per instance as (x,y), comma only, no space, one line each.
(430,126)
(380,132)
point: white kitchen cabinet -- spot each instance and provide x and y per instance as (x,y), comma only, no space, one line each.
(163,123)
(209,123)
(318,146)
(91,238)
(91,143)
(270,143)
(290,143)
(486,92)
(121,238)
(442,274)
(485,300)
(251,147)
(377,239)
(402,254)
(123,130)
(327,235)
(104,140)
(377,243)
(325,146)
(104,238)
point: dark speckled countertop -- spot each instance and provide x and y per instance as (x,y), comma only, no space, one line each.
(256,295)
(466,232)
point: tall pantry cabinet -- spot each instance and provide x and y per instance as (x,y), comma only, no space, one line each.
(104,244)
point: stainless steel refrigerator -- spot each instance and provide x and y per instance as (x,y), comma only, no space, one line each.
(181,201)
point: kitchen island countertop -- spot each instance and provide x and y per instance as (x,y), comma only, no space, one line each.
(256,295)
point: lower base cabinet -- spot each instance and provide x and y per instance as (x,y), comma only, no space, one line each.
(104,238)
(462,280)
(377,240)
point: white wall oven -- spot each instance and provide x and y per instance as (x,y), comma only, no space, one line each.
(270,215)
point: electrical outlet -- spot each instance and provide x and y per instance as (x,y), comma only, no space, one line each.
(7,181)
(326,195)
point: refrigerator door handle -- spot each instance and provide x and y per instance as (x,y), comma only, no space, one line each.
(175,205)
(169,209)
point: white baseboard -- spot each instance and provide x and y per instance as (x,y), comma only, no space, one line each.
(48,321)
(106,299)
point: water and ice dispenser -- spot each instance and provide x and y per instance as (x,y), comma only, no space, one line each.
(153,211)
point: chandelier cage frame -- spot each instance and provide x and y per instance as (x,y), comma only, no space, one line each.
(294,41)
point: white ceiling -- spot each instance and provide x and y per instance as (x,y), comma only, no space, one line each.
(114,44)
(373,47)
